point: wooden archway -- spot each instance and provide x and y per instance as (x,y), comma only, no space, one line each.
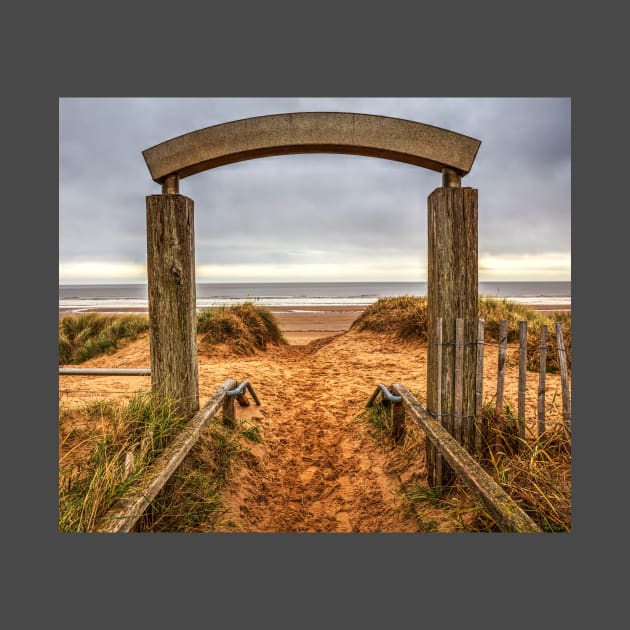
(311,132)
(452,224)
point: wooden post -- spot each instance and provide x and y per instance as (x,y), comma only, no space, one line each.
(481,433)
(458,424)
(229,411)
(541,379)
(398,421)
(452,292)
(433,456)
(501,368)
(522,377)
(564,377)
(172,299)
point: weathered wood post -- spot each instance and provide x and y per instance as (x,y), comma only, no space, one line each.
(172,297)
(452,293)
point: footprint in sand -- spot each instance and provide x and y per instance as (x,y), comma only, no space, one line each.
(307,475)
(343,522)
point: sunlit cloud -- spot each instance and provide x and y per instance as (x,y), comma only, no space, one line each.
(552,266)
(359,271)
(102,272)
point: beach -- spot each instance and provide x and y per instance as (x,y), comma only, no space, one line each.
(318,468)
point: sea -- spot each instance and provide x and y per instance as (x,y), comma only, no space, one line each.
(128,297)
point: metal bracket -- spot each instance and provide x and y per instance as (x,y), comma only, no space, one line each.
(386,395)
(239,392)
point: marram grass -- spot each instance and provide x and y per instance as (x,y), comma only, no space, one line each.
(406,318)
(98,441)
(245,328)
(87,335)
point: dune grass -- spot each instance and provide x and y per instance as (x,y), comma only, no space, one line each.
(104,448)
(536,473)
(245,328)
(406,318)
(87,335)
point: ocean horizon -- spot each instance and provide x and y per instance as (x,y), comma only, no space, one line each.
(79,297)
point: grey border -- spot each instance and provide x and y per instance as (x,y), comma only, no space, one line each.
(381,578)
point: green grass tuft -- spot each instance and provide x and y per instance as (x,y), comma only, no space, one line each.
(95,443)
(92,469)
(405,317)
(87,335)
(244,327)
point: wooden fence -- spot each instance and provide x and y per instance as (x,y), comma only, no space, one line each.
(459,439)
(505,511)
(473,432)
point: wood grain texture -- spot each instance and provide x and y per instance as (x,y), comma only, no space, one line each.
(522,376)
(503,330)
(385,137)
(458,432)
(452,293)
(541,379)
(172,299)
(564,376)
(481,429)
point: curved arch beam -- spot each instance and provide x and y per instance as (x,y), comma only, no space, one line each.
(312,132)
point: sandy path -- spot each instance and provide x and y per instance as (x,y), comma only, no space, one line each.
(319,470)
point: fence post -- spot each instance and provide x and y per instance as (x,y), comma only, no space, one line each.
(522,378)
(458,425)
(398,420)
(564,377)
(501,367)
(439,469)
(229,411)
(481,429)
(499,412)
(541,379)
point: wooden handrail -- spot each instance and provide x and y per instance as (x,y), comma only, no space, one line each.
(505,511)
(128,509)
(104,371)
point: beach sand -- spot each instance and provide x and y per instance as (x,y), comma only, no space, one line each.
(318,469)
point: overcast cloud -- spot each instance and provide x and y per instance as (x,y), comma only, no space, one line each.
(314,217)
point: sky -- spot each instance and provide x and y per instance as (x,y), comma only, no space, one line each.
(318,217)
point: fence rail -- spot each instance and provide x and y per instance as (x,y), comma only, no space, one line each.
(104,371)
(505,511)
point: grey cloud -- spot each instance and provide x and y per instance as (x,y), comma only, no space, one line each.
(266,208)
